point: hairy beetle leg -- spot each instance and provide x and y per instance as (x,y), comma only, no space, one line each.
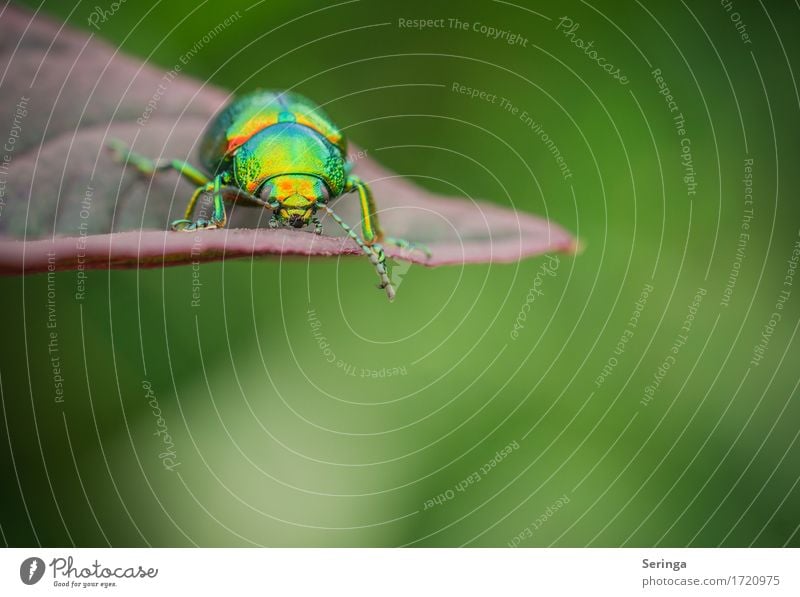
(373,254)
(377,248)
(408,245)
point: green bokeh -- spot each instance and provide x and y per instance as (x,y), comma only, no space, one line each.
(277,446)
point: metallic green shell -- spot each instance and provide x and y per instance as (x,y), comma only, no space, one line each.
(288,148)
(251,113)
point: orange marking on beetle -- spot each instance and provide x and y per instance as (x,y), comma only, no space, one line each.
(236,142)
(316,125)
(249,128)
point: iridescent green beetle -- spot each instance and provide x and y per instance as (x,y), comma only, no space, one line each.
(276,150)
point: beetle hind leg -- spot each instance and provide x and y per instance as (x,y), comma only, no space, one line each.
(147,166)
(408,245)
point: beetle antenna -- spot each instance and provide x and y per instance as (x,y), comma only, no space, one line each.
(379,267)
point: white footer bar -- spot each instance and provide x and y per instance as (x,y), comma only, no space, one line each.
(396,572)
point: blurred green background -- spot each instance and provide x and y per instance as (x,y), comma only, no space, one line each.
(277,446)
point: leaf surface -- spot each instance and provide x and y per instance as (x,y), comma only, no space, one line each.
(65,202)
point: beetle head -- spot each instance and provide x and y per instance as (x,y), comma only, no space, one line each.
(294,198)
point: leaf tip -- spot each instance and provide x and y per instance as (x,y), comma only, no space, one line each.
(577,247)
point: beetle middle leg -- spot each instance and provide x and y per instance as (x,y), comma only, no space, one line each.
(221,193)
(218,217)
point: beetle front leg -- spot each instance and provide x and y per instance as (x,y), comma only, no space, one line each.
(371,228)
(371,231)
(370,252)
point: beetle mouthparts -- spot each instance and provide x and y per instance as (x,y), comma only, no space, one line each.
(296,220)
